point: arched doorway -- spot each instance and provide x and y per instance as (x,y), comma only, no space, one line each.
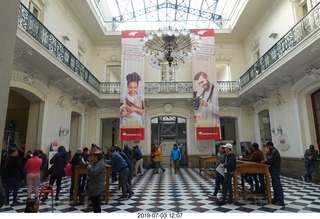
(110,133)
(264,124)
(23,121)
(315,99)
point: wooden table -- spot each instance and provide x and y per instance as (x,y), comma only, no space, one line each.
(251,167)
(206,159)
(82,170)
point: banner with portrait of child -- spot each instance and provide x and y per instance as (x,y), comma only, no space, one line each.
(206,106)
(132,109)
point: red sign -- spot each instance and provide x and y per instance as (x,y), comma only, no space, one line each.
(208,133)
(131,134)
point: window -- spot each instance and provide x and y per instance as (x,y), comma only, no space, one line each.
(36,8)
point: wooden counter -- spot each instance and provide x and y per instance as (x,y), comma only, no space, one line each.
(206,159)
(82,170)
(251,167)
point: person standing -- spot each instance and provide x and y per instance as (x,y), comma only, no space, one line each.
(120,165)
(96,179)
(32,166)
(77,160)
(257,156)
(158,159)
(273,158)
(13,169)
(229,165)
(137,154)
(310,156)
(175,156)
(219,178)
(127,160)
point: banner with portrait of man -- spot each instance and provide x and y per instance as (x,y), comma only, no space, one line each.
(206,106)
(132,109)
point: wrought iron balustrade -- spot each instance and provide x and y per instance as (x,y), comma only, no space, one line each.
(297,34)
(293,37)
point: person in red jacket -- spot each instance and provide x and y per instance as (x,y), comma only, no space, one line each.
(32,166)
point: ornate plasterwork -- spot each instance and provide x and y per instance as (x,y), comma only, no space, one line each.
(311,77)
(278,100)
(228,108)
(110,109)
(175,111)
(30,79)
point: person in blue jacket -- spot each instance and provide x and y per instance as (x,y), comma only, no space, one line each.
(120,165)
(176,157)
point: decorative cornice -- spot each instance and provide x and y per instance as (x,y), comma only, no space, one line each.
(310,77)
(228,108)
(109,109)
(30,79)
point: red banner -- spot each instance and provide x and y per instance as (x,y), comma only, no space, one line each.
(132,106)
(207,133)
(132,134)
(206,106)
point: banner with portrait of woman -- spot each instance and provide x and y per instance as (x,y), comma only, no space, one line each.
(206,106)
(132,109)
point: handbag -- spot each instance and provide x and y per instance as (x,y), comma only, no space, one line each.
(68,169)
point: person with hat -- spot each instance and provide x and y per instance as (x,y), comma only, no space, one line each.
(229,165)
(96,183)
(77,160)
(273,159)
(310,156)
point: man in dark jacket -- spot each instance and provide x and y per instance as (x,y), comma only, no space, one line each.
(310,156)
(120,165)
(229,167)
(59,162)
(274,160)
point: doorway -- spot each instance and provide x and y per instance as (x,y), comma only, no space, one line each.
(169,130)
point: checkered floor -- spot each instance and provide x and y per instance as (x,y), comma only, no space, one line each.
(185,192)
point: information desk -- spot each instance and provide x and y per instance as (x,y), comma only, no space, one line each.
(206,159)
(82,170)
(251,167)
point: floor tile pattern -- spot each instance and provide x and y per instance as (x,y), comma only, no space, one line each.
(185,192)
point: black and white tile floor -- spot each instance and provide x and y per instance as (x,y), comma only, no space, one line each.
(185,192)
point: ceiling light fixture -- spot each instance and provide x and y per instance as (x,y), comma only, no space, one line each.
(172,46)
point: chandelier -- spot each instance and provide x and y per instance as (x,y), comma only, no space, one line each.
(173,47)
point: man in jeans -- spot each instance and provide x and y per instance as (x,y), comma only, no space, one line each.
(219,177)
(274,160)
(229,167)
(310,156)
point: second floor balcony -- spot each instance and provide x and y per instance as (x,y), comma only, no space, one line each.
(279,65)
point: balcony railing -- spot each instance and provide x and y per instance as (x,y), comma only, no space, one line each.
(297,34)
(293,37)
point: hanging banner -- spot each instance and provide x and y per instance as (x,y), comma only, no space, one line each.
(206,106)
(132,90)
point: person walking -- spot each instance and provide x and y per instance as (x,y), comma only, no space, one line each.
(13,169)
(96,180)
(219,178)
(175,156)
(273,158)
(58,162)
(229,166)
(310,156)
(32,166)
(158,159)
